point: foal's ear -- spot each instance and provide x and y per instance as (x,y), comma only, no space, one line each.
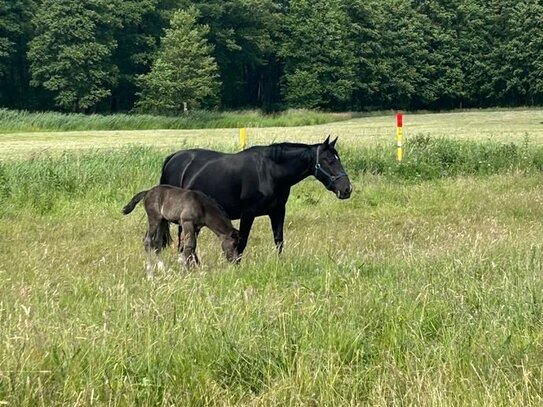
(333,143)
(327,141)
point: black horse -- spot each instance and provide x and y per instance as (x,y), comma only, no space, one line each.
(257,181)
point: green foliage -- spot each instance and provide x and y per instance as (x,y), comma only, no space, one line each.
(395,59)
(354,54)
(245,36)
(184,70)
(14,16)
(515,57)
(6,28)
(71,52)
(142,22)
(15,33)
(319,71)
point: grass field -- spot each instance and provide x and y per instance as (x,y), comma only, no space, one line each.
(502,126)
(424,288)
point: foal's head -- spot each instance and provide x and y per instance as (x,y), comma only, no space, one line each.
(229,244)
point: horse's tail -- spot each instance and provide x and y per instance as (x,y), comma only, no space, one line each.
(163,234)
(135,200)
(166,160)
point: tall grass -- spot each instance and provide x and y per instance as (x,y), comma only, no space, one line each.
(428,158)
(48,181)
(23,121)
(416,291)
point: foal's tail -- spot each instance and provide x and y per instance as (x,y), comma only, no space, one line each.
(135,200)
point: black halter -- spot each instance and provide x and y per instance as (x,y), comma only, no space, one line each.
(331,178)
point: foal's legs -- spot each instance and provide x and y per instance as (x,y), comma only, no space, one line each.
(179,242)
(181,246)
(159,243)
(153,242)
(189,244)
(150,244)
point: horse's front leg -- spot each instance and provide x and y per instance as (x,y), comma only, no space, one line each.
(277,218)
(245,224)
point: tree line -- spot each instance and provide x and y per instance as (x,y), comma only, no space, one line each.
(166,55)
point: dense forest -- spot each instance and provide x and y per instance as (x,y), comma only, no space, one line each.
(166,55)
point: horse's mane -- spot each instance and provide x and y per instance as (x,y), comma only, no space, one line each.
(287,144)
(277,151)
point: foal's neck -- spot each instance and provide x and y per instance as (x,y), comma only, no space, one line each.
(218,222)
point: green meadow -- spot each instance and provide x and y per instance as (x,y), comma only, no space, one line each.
(425,288)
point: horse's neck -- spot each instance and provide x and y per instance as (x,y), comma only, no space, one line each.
(293,164)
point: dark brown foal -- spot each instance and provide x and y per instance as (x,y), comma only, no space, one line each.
(191,210)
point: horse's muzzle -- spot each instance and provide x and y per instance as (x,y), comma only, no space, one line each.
(346,193)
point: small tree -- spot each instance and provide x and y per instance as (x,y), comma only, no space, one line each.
(184,72)
(71,52)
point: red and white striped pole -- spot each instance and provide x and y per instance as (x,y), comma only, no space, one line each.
(399,136)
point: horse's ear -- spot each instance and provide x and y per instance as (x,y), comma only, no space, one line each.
(327,141)
(333,143)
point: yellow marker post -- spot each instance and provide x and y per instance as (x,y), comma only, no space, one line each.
(399,137)
(243,138)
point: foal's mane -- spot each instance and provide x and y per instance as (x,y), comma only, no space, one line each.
(214,204)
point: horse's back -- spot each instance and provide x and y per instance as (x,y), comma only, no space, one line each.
(176,164)
(229,179)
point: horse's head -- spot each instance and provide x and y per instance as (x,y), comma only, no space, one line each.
(230,244)
(329,170)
